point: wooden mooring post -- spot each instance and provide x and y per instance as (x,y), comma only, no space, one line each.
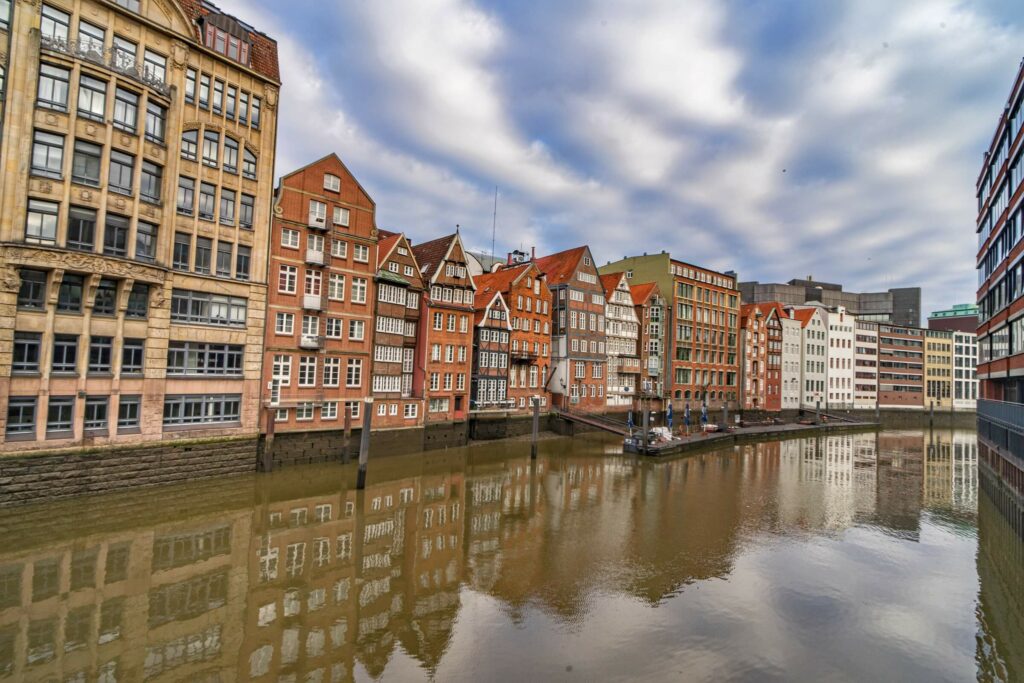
(364,444)
(536,428)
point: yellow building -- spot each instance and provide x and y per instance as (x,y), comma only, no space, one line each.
(938,369)
(137,173)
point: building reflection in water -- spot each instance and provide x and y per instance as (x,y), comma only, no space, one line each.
(296,576)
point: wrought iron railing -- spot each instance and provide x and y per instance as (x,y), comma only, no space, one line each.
(111,59)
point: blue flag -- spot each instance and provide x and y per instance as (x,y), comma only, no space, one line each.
(668,416)
(629,419)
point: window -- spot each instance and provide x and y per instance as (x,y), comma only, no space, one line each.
(289,238)
(156,122)
(201,359)
(27,346)
(126,109)
(354,373)
(154,66)
(360,253)
(227,206)
(47,154)
(128,411)
(60,414)
(65,353)
(32,291)
(248,165)
(246,210)
(243,262)
(218,95)
(231,46)
(190,144)
(96,413)
(81,229)
(317,212)
(304,411)
(105,301)
(211,145)
(145,242)
(182,251)
(329,410)
(92,97)
(115,236)
(287,279)
(359,290)
(207,201)
(41,222)
(229,102)
(339,249)
(255,112)
(133,356)
(138,301)
(21,415)
(124,54)
(336,287)
(53,87)
(121,168)
(54,24)
(230,155)
(243,106)
(284,323)
(341,216)
(224,250)
(204,255)
(85,166)
(202,409)
(281,370)
(204,91)
(207,309)
(307,371)
(152,182)
(356,330)
(100,351)
(186,195)
(190,85)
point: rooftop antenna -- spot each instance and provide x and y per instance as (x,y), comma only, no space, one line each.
(494,221)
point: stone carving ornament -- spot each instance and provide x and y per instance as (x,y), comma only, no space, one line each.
(82,262)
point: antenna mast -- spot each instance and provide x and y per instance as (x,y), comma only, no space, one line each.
(494,221)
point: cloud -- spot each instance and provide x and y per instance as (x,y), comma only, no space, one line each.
(776,139)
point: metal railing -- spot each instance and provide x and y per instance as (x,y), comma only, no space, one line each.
(111,59)
(1002,423)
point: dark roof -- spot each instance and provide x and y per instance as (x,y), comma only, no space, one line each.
(263,49)
(430,254)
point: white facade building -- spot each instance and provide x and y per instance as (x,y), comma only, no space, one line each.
(965,375)
(865,361)
(791,360)
(622,331)
(841,329)
(813,357)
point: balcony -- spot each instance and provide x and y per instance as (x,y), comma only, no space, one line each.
(315,257)
(89,51)
(312,302)
(523,356)
(311,341)
(317,223)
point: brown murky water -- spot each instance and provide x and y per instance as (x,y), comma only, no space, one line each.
(855,557)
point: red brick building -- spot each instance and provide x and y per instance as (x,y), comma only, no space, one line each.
(323,257)
(491,336)
(900,366)
(446,315)
(396,336)
(525,290)
(577,378)
(761,365)
(650,311)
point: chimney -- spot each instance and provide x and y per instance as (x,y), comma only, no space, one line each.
(508,260)
(533,253)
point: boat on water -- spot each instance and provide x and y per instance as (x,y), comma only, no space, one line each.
(660,441)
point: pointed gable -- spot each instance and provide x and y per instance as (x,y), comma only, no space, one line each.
(559,268)
(610,282)
(642,292)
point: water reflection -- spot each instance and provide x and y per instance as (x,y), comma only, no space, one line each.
(458,563)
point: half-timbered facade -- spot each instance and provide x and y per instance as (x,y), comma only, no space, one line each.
(491,337)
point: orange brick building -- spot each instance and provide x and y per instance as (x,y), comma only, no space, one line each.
(761,366)
(319,332)
(446,316)
(577,377)
(491,332)
(396,337)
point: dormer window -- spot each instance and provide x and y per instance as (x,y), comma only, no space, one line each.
(227,36)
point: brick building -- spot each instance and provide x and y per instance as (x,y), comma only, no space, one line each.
(577,375)
(526,292)
(319,334)
(761,344)
(446,313)
(491,338)
(623,335)
(397,334)
(138,148)
(900,366)
(650,312)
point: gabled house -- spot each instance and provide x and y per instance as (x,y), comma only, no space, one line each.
(761,363)
(491,333)
(650,312)
(623,332)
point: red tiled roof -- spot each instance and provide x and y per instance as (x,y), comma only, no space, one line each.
(560,267)
(642,291)
(609,283)
(263,49)
(430,254)
(500,280)
(385,243)
(480,303)
(804,315)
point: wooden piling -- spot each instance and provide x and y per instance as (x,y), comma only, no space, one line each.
(536,429)
(364,444)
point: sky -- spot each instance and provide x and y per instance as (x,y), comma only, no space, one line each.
(776,138)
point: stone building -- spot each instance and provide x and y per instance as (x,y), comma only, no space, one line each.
(650,312)
(938,368)
(396,338)
(623,335)
(319,332)
(138,158)
(491,338)
(525,290)
(577,376)
(446,313)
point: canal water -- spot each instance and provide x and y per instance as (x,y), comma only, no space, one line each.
(851,557)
